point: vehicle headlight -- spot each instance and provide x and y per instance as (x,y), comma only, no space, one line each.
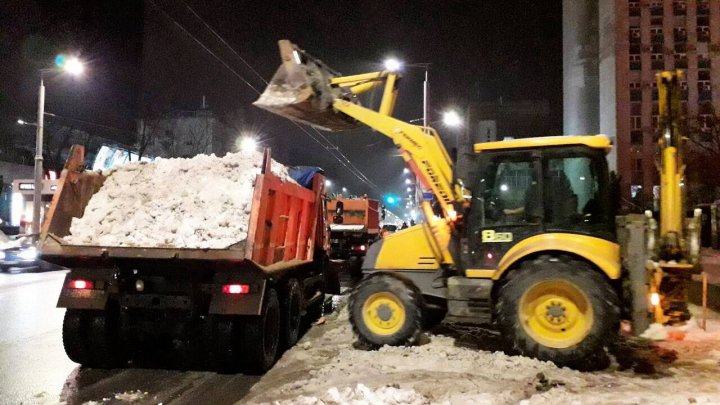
(28,254)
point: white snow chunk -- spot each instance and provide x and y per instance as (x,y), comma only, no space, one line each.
(131,396)
(202,202)
(363,395)
(690,331)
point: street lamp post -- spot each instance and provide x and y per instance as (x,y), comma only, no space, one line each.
(37,187)
(74,67)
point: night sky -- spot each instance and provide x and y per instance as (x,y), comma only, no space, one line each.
(141,62)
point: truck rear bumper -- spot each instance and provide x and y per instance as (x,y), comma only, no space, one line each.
(196,292)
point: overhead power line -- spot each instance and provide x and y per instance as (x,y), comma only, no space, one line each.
(327,144)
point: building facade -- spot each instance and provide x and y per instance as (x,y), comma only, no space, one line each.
(182,134)
(634,40)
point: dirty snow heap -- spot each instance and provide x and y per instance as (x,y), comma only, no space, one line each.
(201,202)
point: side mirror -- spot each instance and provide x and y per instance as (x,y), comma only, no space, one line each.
(339,208)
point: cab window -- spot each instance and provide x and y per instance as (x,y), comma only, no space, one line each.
(510,193)
(573,191)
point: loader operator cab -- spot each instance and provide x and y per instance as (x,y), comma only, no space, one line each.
(521,191)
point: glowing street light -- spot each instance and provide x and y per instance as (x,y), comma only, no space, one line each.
(392,65)
(406,170)
(344,190)
(74,66)
(328,183)
(409,189)
(23,122)
(408,181)
(70,65)
(248,144)
(452,119)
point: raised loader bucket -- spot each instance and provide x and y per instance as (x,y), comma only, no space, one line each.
(301,91)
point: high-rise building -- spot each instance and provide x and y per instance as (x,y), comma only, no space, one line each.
(612,50)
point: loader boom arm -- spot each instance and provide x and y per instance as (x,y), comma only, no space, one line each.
(304,89)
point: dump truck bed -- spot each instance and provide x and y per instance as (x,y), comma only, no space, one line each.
(285,223)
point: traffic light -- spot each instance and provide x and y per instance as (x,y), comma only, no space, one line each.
(391,199)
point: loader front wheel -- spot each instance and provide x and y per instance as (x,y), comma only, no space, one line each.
(558,309)
(385,310)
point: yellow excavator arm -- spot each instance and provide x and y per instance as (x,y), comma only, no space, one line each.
(675,249)
(304,89)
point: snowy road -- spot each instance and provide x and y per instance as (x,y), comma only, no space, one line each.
(35,370)
(459,366)
(453,365)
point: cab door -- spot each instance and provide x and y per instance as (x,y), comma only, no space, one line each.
(507,207)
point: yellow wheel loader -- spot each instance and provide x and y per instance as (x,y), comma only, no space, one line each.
(532,248)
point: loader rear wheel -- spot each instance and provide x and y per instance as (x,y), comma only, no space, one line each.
(262,335)
(385,310)
(291,314)
(74,337)
(558,309)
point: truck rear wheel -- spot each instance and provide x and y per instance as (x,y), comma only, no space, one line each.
(262,334)
(105,347)
(291,313)
(558,309)
(385,310)
(227,342)
(73,336)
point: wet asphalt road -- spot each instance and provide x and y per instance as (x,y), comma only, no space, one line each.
(35,370)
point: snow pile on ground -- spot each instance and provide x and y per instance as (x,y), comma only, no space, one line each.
(200,202)
(130,396)
(458,365)
(690,331)
(362,395)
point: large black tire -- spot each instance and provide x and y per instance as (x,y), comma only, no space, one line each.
(261,335)
(385,310)
(74,336)
(291,314)
(560,335)
(106,349)
(227,343)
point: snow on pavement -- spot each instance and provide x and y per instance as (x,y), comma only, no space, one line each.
(327,368)
(200,202)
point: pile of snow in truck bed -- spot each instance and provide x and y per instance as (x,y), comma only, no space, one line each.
(200,202)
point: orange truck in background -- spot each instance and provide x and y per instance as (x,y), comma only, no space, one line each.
(354,224)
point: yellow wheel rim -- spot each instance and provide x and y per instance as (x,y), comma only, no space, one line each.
(383,313)
(556,313)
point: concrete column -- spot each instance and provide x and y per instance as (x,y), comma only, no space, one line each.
(580,67)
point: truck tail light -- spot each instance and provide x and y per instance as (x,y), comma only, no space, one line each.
(236,289)
(79,284)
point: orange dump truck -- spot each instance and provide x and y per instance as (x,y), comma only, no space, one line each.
(354,225)
(234,308)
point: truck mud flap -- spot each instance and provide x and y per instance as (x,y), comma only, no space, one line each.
(85,298)
(238,304)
